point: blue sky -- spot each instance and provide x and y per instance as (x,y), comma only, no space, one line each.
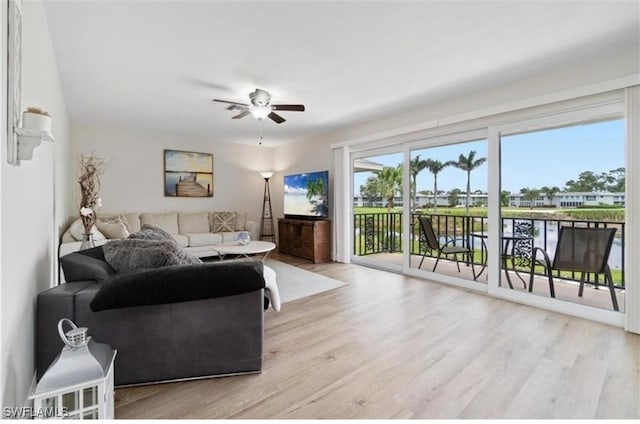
(533,160)
(297,184)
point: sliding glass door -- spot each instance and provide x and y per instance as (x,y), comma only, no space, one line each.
(448,209)
(563,213)
(529,206)
(377,209)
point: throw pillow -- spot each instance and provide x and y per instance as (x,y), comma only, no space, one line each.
(113,230)
(149,232)
(241,221)
(132,253)
(114,219)
(132,221)
(77,230)
(223,222)
(111,219)
(67,237)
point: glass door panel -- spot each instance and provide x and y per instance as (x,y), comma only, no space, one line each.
(563,194)
(377,210)
(448,204)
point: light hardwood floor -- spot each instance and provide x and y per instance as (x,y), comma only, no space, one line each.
(391,346)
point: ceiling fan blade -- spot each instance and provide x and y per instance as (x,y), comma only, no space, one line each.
(292,108)
(237,107)
(232,103)
(241,115)
(276,118)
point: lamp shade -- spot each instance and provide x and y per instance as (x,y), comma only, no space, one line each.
(266,174)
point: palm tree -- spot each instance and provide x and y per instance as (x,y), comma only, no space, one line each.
(468,164)
(504,198)
(530,194)
(435,166)
(315,188)
(550,192)
(416,166)
(390,181)
(453,197)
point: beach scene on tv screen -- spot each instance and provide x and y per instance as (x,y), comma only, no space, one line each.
(306,194)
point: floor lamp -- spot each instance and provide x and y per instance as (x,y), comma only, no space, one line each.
(266,224)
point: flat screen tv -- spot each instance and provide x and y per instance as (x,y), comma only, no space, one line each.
(306,196)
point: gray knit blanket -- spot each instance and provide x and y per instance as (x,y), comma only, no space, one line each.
(142,253)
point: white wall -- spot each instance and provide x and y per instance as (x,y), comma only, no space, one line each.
(29,225)
(134,180)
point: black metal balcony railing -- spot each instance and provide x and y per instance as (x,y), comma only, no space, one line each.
(383,232)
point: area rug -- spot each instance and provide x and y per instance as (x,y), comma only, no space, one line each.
(295,283)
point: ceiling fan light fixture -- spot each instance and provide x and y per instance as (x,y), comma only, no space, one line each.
(260,107)
(260,112)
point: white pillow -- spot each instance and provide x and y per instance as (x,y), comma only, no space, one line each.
(112,230)
(67,237)
(77,230)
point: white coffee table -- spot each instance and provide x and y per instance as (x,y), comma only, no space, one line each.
(244,251)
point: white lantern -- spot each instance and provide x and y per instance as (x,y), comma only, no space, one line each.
(79,382)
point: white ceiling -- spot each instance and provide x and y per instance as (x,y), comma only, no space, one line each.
(158,64)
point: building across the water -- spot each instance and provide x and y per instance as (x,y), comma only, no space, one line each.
(424,200)
(559,200)
(569,199)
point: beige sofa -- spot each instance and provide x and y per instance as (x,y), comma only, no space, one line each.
(197,232)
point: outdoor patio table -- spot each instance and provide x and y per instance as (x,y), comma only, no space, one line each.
(508,239)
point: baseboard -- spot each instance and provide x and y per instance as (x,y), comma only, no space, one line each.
(176,380)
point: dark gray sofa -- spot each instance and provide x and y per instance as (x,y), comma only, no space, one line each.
(211,336)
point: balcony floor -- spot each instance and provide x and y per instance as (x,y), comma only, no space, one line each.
(565,289)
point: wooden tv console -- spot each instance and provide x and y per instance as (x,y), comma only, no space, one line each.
(308,239)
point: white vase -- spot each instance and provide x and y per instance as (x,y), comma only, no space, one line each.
(36,121)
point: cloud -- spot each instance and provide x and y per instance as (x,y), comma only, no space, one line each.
(294,190)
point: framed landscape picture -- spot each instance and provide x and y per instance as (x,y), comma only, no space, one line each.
(188,174)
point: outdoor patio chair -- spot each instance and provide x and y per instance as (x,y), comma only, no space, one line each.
(584,250)
(433,244)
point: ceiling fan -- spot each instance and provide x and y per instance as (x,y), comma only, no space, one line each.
(260,107)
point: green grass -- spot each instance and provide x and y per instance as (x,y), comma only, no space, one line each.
(599,214)
(359,210)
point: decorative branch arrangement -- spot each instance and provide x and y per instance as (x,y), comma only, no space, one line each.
(91,168)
